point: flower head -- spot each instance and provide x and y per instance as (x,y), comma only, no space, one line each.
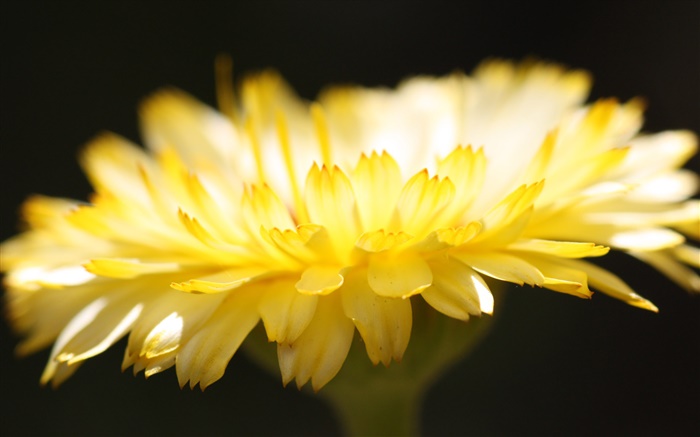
(325,218)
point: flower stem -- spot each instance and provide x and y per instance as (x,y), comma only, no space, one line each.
(377,409)
(374,400)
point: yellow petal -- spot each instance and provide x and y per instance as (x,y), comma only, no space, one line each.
(466,170)
(319,280)
(455,290)
(331,203)
(502,266)
(127,268)
(560,277)
(220,282)
(537,169)
(165,336)
(422,201)
(285,312)
(384,323)
(203,359)
(372,172)
(568,179)
(43,211)
(448,237)
(308,243)
(319,353)
(379,241)
(262,207)
(514,206)
(398,276)
(167,321)
(565,249)
(610,284)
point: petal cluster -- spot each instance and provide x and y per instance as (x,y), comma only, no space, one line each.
(325,218)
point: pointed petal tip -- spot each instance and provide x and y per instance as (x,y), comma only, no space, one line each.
(645,305)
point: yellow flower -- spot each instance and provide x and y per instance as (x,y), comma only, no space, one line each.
(323,218)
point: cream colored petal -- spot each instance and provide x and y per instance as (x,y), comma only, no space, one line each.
(285,312)
(645,239)
(319,280)
(113,165)
(62,372)
(42,314)
(504,95)
(319,353)
(641,215)
(455,290)
(159,364)
(32,278)
(688,254)
(399,275)
(668,187)
(502,266)
(666,263)
(167,321)
(93,340)
(384,323)
(81,321)
(204,357)
(171,118)
(656,154)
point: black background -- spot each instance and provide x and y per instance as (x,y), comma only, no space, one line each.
(554,365)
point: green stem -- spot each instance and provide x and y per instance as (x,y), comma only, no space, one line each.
(385,409)
(374,400)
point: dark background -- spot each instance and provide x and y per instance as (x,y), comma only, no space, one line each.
(554,365)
